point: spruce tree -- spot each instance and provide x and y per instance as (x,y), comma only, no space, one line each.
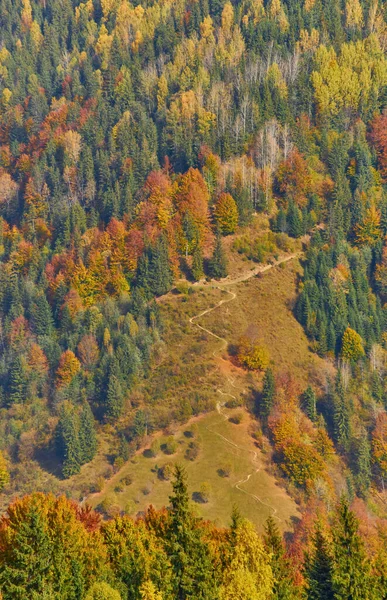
(309,403)
(352,579)
(114,398)
(197,263)
(26,573)
(193,576)
(362,457)
(17,381)
(283,587)
(87,434)
(41,315)
(218,263)
(319,568)
(266,400)
(67,440)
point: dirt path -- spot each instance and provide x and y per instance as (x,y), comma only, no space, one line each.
(221,286)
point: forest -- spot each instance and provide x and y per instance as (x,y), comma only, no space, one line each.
(137,140)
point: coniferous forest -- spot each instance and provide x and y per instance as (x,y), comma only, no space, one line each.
(136,140)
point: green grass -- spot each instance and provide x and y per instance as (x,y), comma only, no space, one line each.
(212,429)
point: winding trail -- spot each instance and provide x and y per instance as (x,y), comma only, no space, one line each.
(221,286)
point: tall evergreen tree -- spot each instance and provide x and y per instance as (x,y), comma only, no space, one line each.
(87,434)
(309,403)
(218,262)
(319,568)
(283,586)
(352,571)
(267,397)
(114,398)
(25,574)
(193,575)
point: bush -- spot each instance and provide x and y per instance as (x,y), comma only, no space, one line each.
(166,472)
(155,448)
(253,356)
(205,492)
(127,480)
(237,418)
(192,451)
(170,445)
(225,469)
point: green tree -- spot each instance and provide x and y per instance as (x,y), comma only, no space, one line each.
(17,381)
(26,572)
(267,397)
(193,574)
(197,263)
(67,439)
(283,585)
(41,316)
(4,473)
(352,567)
(309,403)
(319,568)
(218,262)
(102,591)
(114,398)
(87,434)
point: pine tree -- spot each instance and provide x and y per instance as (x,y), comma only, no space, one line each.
(218,263)
(114,398)
(352,573)
(17,381)
(266,400)
(25,573)
(197,263)
(41,315)
(309,403)
(362,464)
(283,586)
(67,440)
(193,575)
(4,474)
(319,568)
(87,434)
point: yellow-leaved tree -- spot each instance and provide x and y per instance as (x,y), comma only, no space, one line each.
(248,575)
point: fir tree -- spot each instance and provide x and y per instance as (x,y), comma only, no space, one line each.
(67,440)
(283,587)
(319,568)
(26,572)
(266,400)
(87,434)
(41,315)
(309,403)
(189,554)
(17,381)
(218,263)
(114,398)
(197,263)
(352,573)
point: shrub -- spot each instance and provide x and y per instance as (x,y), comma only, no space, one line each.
(205,492)
(166,472)
(170,445)
(225,469)
(236,418)
(127,480)
(253,356)
(192,451)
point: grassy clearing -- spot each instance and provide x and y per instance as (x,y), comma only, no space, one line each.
(217,438)
(263,310)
